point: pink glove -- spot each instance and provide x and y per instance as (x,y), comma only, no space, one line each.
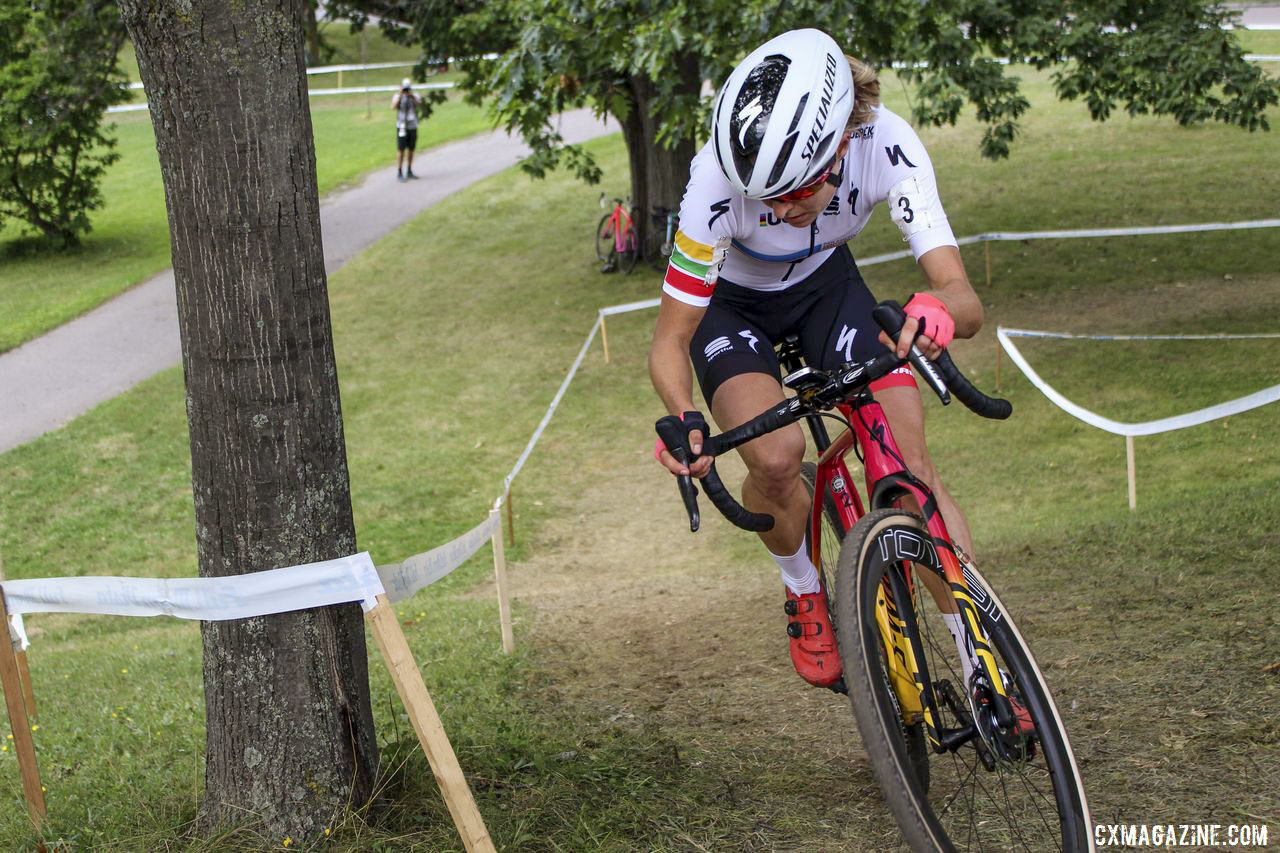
(935,320)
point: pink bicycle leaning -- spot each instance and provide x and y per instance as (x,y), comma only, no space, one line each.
(617,243)
(970,762)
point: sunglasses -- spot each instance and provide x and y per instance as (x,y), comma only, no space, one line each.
(801,193)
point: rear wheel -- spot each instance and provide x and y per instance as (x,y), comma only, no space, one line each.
(992,791)
(604,237)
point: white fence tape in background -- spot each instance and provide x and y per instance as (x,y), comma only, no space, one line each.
(346,579)
(402,580)
(546,419)
(352,578)
(18,632)
(1190,419)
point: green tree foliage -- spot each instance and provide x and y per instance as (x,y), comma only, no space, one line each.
(58,75)
(651,57)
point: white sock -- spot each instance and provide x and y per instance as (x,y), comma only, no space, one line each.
(798,571)
(955,625)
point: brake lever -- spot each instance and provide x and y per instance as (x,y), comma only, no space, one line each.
(891,318)
(688,491)
(930,373)
(671,432)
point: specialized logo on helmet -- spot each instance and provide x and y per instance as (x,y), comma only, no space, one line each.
(824,108)
(746,117)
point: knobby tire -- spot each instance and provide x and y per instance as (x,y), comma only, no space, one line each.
(1033,799)
(604,238)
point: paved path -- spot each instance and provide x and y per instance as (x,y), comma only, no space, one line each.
(48,381)
(1263,15)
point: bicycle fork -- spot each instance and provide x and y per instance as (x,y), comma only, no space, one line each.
(917,693)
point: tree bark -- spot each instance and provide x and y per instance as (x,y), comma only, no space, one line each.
(658,173)
(290,739)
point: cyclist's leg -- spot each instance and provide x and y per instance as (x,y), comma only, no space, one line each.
(905,410)
(773,482)
(738,373)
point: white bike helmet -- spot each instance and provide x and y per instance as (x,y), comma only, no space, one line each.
(779,116)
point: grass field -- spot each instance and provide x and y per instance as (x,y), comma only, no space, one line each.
(651,704)
(42,288)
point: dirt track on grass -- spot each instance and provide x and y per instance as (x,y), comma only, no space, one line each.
(644,625)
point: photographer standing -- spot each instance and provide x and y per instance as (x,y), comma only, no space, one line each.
(406,104)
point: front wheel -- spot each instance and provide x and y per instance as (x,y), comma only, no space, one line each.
(991,791)
(604,238)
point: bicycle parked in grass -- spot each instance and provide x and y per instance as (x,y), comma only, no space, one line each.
(617,243)
(661,237)
(970,754)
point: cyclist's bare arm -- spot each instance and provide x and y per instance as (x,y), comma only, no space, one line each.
(948,282)
(672,375)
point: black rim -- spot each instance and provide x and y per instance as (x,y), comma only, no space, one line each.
(992,792)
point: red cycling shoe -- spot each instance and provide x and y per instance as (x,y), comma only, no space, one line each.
(813,643)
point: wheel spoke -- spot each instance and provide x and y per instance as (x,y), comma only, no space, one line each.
(1033,801)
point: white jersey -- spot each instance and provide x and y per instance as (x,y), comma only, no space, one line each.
(726,234)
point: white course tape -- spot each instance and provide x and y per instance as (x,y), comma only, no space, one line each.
(402,580)
(630,306)
(18,632)
(1029,333)
(338,581)
(564,386)
(1222,410)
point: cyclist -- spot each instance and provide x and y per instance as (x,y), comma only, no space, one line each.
(801,150)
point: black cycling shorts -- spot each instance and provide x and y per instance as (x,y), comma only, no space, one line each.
(830,311)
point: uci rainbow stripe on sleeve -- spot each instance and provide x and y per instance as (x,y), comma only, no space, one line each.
(690,277)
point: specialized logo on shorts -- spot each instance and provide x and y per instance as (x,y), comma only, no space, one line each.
(844,343)
(751,339)
(719,345)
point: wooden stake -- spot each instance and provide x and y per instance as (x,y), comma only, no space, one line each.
(20,725)
(500,575)
(999,350)
(604,338)
(511,523)
(426,722)
(986,250)
(1133,477)
(24,672)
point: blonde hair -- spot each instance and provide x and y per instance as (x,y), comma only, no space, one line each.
(866,93)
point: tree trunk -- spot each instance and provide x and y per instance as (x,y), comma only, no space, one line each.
(290,740)
(658,173)
(315,54)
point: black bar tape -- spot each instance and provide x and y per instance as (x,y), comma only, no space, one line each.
(674,434)
(964,391)
(730,508)
(775,418)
